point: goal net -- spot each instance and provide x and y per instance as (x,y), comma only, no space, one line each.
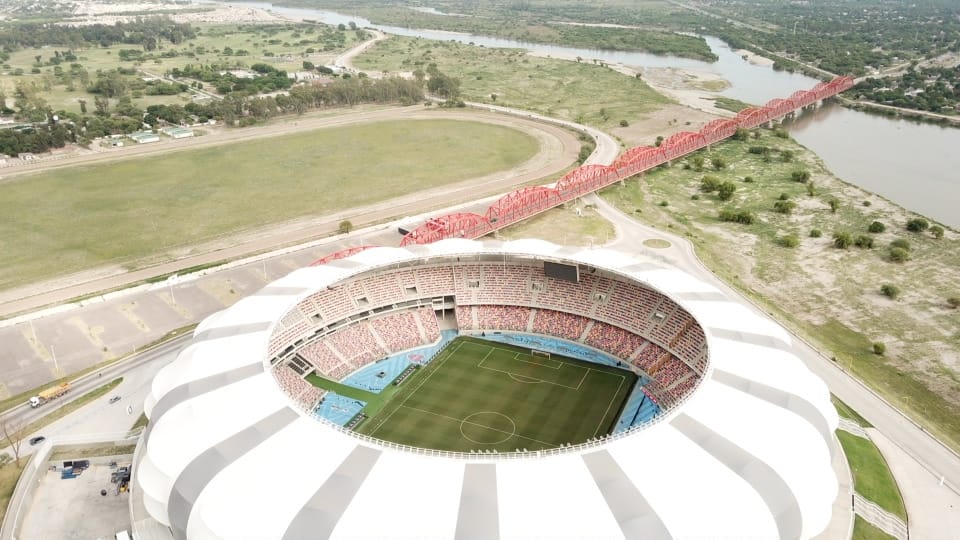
(539,354)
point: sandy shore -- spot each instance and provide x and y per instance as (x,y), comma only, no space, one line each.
(754,58)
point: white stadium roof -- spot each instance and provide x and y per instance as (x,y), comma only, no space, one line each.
(747,455)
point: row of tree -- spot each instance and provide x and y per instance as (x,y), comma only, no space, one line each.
(147,32)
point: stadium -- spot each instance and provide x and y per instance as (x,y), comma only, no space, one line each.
(488,389)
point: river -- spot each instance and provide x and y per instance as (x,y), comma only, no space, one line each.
(915,165)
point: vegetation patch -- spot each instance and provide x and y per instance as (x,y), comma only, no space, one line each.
(581,91)
(136,212)
(871,476)
(563,226)
(813,286)
(845,411)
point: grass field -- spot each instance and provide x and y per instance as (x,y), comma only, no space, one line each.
(871,476)
(135,212)
(583,92)
(479,395)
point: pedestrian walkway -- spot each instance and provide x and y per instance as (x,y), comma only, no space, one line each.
(853,428)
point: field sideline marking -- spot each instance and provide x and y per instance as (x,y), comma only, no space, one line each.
(481,425)
(517,358)
(517,354)
(604,417)
(419,386)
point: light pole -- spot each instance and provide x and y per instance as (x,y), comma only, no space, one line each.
(56,365)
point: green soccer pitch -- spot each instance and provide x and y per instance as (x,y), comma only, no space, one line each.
(481,395)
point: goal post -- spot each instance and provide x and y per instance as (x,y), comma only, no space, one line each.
(537,353)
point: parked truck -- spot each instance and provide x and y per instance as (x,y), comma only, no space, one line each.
(49,394)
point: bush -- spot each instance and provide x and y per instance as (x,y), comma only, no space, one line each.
(695,197)
(748,179)
(890,291)
(759,150)
(784,207)
(741,134)
(917,225)
(786,156)
(811,188)
(624,123)
(863,241)
(800,176)
(954,302)
(900,243)
(718,163)
(725,191)
(937,231)
(876,227)
(867,203)
(743,217)
(842,239)
(899,255)
(789,241)
(663,203)
(815,233)
(780,132)
(345,227)
(879,348)
(710,184)
(783,197)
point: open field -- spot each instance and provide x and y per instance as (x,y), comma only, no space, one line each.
(563,226)
(134,212)
(871,476)
(479,395)
(584,92)
(282,45)
(830,296)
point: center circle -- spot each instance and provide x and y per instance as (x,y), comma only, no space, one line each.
(487,427)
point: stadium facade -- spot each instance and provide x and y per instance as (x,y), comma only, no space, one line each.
(742,447)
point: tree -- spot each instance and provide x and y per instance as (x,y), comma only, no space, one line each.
(842,239)
(879,348)
(741,134)
(83,106)
(102,106)
(918,225)
(936,231)
(876,227)
(890,290)
(14,432)
(307,65)
(345,227)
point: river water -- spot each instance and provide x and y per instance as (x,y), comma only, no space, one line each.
(915,165)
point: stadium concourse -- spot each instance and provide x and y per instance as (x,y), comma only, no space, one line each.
(741,444)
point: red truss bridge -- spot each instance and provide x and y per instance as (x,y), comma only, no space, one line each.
(529,201)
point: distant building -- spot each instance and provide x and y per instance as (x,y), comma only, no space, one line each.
(177,132)
(144,137)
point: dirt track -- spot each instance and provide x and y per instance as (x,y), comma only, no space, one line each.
(558,150)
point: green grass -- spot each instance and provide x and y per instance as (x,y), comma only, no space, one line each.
(135,212)
(9,474)
(862,530)
(829,296)
(845,411)
(582,92)
(871,476)
(478,395)
(94,451)
(730,104)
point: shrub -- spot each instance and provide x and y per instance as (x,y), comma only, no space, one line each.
(786,156)
(695,196)
(663,203)
(954,302)
(743,217)
(800,176)
(741,134)
(890,291)
(725,191)
(936,231)
(780,132)
(876,227)
(718,163)
(783,197)
(867,203)
(759,150)
(879,348)
(624,123)
(811,188)
(815,233)
(789,241)
(899,255)
(710,184)
(900,243)
(863,241)
(345,227)
(917,225)
(748,179)
(842,239)
(834,204)
(784,206)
